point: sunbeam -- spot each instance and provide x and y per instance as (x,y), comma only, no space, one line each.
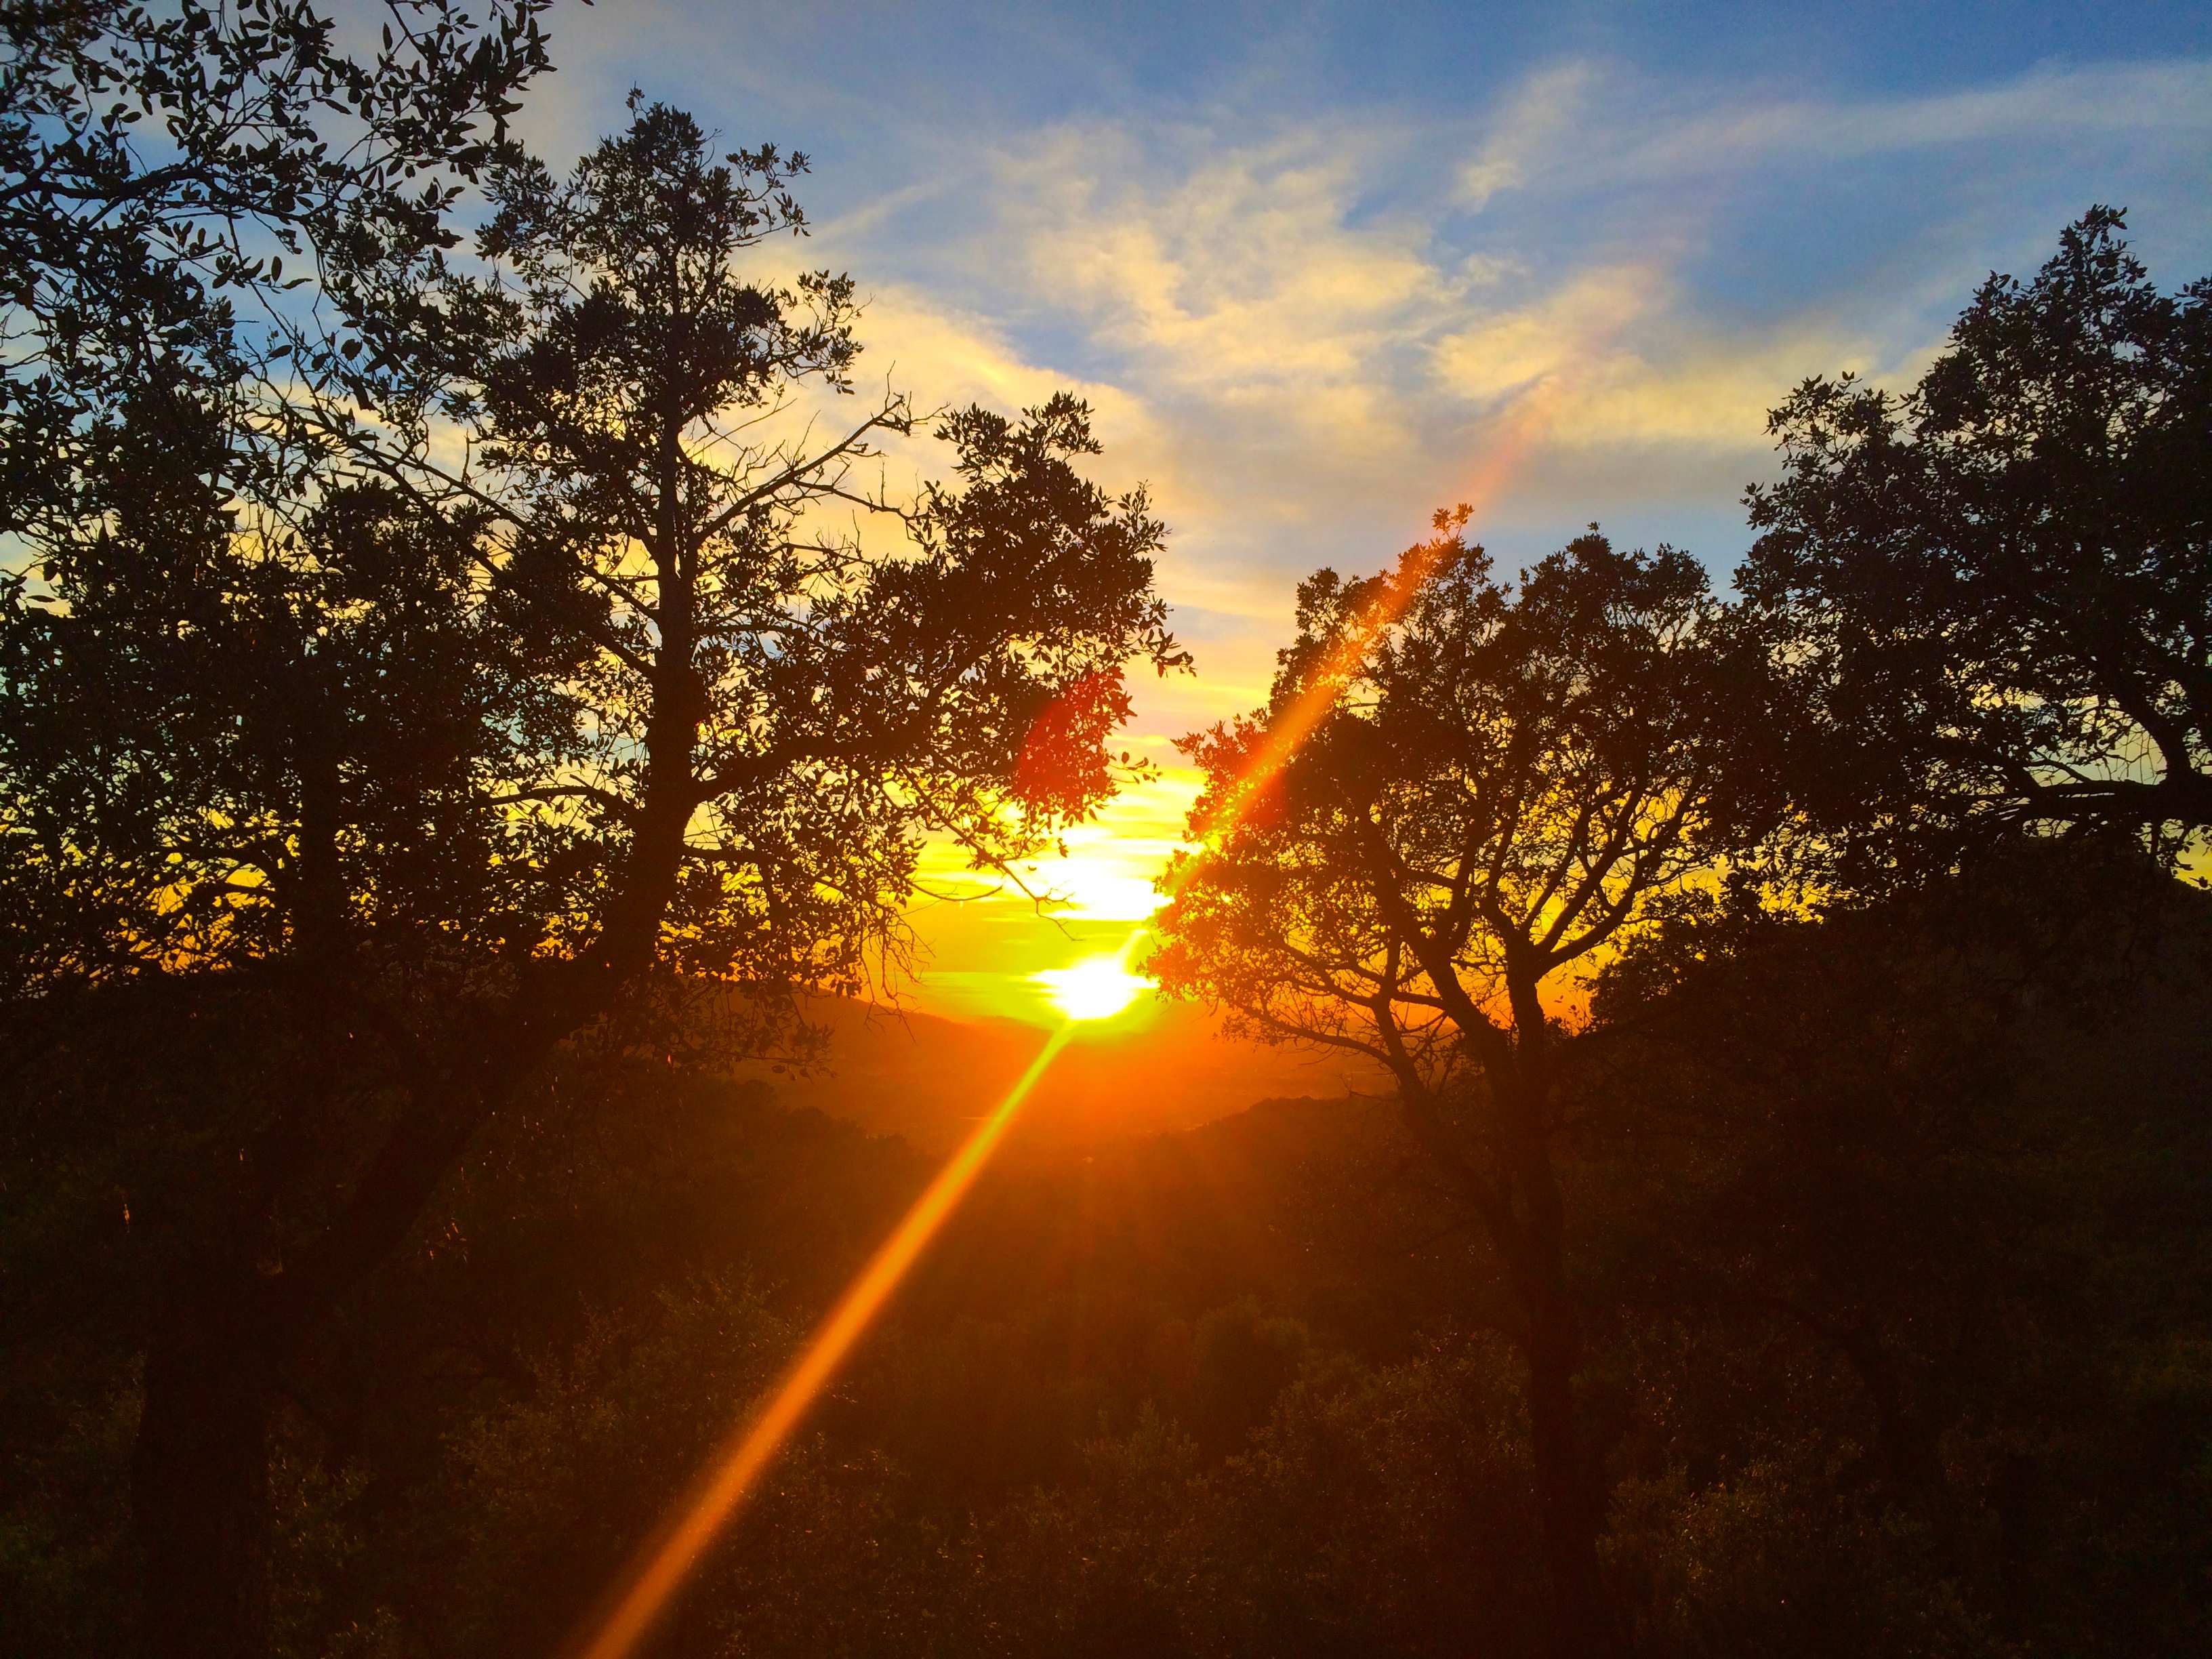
(659,1567)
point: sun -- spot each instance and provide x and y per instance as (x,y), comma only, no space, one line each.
(1097,987)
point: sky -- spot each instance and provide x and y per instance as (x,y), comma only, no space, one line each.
(1321,269)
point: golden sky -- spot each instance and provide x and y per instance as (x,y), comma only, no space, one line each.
(986,942)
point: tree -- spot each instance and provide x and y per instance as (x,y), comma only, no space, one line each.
(1945,1138)
(155,168)
(1514,779)
(398,794)
(159,167)
(1996,589)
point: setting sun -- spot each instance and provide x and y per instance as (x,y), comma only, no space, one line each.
(1097,987)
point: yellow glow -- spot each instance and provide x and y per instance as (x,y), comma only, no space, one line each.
(1092,893)
(1097,987)
(1110,862)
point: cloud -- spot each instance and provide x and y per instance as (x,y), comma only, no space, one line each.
(2173,99)
(1561,333)
(1535,121)
(1577,304)
(1238,280)
(1630,365)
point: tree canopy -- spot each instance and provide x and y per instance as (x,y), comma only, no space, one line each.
(418,770)
(1993,588)
(465,677)
(161,165)
(1514,777)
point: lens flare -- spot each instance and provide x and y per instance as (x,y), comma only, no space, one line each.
(662,1565)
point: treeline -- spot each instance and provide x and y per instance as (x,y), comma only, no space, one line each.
(441,734)
(1906,1355)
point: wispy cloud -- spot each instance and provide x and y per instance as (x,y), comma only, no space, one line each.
(1533,127)
(1306,325)
(2051,105)
(1301,330)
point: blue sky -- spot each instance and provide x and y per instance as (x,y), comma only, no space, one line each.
(1322,268)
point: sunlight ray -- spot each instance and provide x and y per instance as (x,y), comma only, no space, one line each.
(662,1565)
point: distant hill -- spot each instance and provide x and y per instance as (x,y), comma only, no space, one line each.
(930,1078)
(1320,1208)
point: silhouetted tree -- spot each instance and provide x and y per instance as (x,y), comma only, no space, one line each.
(158,166)
(1937,1136)
(1513,778)
(399,792)
(1996,590)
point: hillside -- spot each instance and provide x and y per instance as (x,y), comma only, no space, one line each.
(930,1078)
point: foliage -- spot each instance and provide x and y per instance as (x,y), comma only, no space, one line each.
(417,775)
(1993,588)
(162,163)
(1009,1469)
(1781,1560)
(1912,1149)
(443,721)
(1511,779)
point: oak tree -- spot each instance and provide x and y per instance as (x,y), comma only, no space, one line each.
(357,807)
(1994,590)
(1513,778)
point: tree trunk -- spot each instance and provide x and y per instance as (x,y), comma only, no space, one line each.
(1525,1217)
(199,1485)
(1582,1624)
(1581,1620)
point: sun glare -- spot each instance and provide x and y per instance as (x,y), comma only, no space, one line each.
(1097,987)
